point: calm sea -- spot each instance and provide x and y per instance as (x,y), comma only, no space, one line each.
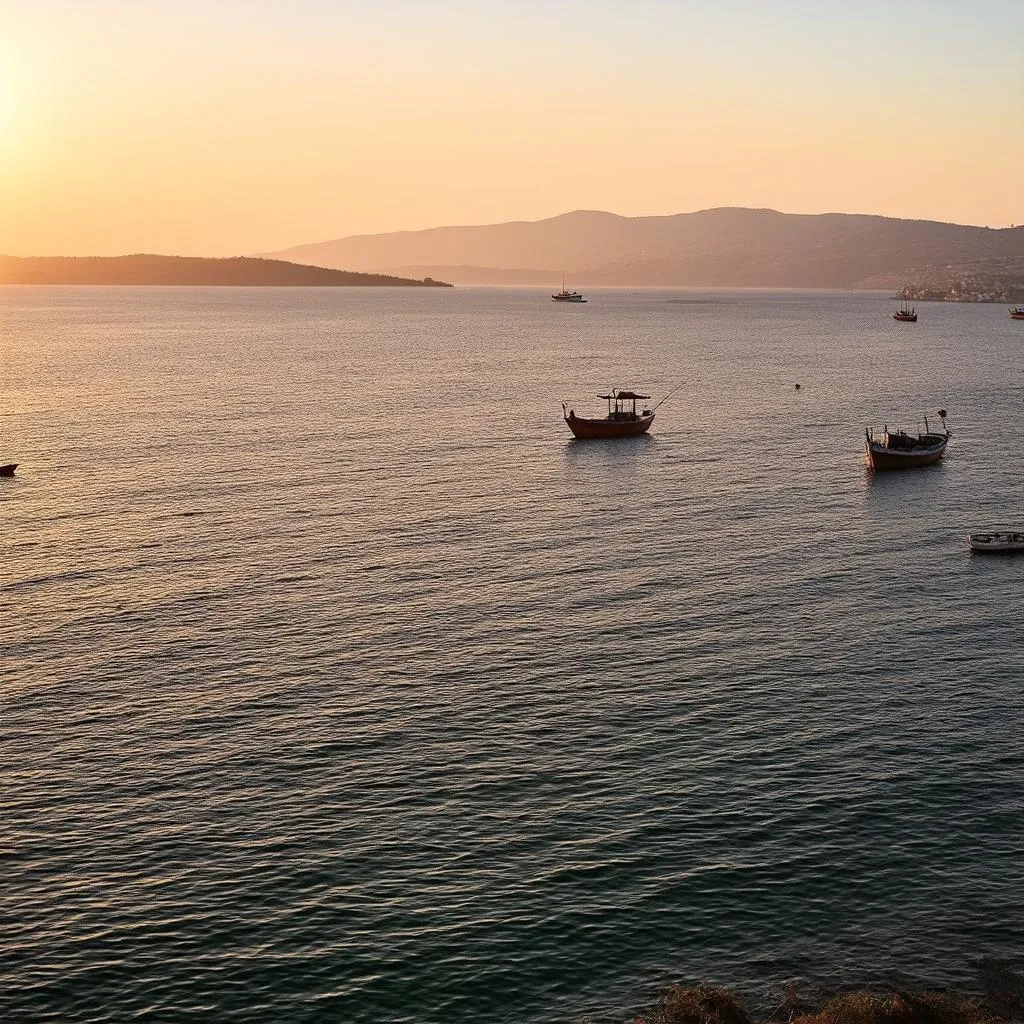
(338,684)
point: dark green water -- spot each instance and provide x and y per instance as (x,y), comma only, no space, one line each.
(339,684)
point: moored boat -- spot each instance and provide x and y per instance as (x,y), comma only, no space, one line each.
(996,541)
(564,296)
(1017,313)
(906,313)
(622,420)
(9,469)
(897,449)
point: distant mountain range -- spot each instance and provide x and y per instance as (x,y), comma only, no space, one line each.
(722,247)
(185,270)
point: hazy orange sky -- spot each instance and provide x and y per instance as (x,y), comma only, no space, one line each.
(228,127)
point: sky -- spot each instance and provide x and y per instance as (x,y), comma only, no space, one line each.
(225,127)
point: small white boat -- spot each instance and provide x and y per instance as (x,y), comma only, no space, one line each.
(997,541)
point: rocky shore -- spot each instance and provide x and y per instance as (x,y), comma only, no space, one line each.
(1002,1003)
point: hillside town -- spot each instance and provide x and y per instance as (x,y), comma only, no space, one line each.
(964,291)
(1004,285)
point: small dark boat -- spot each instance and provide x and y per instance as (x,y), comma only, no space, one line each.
(899,450)
(620,421)
(9,469)
(906,314)
(1017,313)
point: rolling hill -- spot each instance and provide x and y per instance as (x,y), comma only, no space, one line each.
(721,247)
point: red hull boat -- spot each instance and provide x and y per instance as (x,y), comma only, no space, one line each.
(1017,314)
(899,450)
(620,421)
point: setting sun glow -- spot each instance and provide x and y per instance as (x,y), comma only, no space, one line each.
(7,105)
(230,128)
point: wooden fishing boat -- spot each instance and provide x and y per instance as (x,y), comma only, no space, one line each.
(896,449)
(564,296)
(906,313)
(996,542)
(1017,313)
(622,420)
(9,469)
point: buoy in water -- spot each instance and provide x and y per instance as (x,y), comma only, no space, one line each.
(798,387)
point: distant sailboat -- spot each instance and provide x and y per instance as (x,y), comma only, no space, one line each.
(906,313)
(564,296)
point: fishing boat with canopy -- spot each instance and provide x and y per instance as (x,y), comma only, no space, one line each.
(622,420)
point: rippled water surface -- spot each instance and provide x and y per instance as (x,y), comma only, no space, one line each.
(339,684)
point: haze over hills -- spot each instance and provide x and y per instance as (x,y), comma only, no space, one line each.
(146,269)
(720,247)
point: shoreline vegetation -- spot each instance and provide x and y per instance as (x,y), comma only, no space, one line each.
(705,1004)
(147,269)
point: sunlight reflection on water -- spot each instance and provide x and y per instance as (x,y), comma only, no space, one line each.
(340,683)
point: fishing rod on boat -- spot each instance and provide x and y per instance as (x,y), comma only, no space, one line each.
(670,394)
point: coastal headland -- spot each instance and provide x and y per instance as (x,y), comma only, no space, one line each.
(145,269)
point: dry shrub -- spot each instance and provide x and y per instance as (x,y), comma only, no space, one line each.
(897,1008)
(700,1005)
(706,1005)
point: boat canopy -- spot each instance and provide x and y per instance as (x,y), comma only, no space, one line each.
(627,396)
